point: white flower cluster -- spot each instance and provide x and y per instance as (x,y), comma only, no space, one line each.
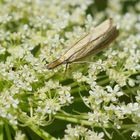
(35,32)
(50,99)
(8,107)
(80,132)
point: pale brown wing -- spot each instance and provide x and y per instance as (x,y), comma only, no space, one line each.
(98,39)
(95,46)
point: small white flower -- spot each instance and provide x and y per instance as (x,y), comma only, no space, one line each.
(91,135)
(136,132)
(65,96)
(131,82)
(20,136)
(116,91)
(79,77)
(98,117)
(51,106)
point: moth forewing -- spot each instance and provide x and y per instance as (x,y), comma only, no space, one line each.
(93,42)
(96,45)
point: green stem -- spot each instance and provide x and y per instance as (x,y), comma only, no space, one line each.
(73,120)
(79,89)
(131,73)
(7,129)
(133,89)
(77,120)
(40,132)
(102,76)
(1,130)
(102,82)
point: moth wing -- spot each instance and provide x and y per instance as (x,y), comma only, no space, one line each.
(87,44)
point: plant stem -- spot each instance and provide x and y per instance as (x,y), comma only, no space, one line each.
(73,119)
(8,132)
(43,134)
(1,130)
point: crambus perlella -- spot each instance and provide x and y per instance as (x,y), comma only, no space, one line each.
(100,37)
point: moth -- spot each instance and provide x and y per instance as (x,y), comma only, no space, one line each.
(99,38)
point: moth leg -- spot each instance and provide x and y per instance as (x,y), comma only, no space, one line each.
(44,60)
(66,68)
